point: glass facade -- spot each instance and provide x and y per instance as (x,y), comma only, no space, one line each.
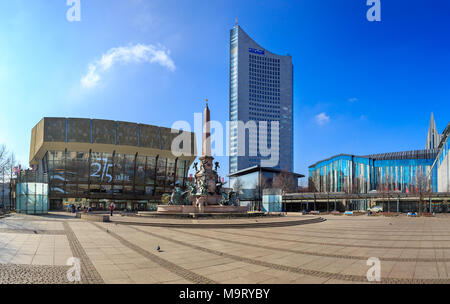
(234,99)
(406,172)
(354,174)
(441,167)
(248,184)
(32,198)
(272,200)
(93,162)
(100,177)
(31,191)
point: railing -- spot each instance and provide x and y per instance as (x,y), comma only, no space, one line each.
(347,196)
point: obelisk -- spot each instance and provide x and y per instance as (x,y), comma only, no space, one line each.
(206,178)
(206,142)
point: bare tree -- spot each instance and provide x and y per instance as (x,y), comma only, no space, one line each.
(237,187)
(258,187)
(312,185)
(303,186)
(381,189)
(285,181)
(5,160)
(12,163)
(423,189)
(255,191)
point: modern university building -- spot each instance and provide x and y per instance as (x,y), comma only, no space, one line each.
(261,90)
(92,162)
(421,172)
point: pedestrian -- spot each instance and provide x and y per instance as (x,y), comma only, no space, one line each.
(111,208)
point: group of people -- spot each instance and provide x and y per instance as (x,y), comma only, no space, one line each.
(73,209)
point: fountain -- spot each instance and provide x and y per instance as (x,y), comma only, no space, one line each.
(206,194)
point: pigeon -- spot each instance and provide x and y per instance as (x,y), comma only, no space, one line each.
(159,249)
(107,230)
(35,232)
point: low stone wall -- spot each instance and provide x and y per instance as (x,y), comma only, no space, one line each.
(93,217)
(176,209)
(166,209)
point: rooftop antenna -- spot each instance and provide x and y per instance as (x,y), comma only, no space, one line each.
(207,101)
(236,22)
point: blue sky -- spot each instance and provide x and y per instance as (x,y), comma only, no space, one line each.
(374,84)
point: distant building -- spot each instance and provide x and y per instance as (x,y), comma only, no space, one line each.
(260,90)
(433,137)
(91,162)
(441,164)
(254,180)
(407,172)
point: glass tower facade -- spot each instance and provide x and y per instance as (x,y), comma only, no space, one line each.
(260,91)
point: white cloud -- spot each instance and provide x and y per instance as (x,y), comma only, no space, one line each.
(322,119)
(353,99)
(132,54)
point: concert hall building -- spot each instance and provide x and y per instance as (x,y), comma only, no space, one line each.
(93,162)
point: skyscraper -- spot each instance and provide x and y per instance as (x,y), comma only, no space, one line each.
(261,90)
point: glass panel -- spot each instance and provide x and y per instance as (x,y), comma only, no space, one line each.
(150,171)
(140,170)
(161,176)
(181,165)
(170,173)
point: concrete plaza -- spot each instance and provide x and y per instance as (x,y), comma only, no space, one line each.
(35,249)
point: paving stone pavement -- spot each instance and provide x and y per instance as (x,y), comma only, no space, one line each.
(33,274)
(30,231)
(89,274)
(180,271)
(411,250)
(314,273)
(341,256)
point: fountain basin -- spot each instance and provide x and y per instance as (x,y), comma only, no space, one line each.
(166,209)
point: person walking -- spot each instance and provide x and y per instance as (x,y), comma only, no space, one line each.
(111,208)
